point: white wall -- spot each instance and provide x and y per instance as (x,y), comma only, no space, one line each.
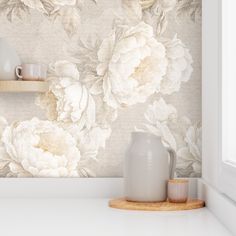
(210,90)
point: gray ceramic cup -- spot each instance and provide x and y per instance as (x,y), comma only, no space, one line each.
(31,72)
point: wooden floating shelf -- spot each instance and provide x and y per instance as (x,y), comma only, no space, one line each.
(20,86)
(121,203)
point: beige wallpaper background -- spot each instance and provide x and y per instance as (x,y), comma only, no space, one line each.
(38,39)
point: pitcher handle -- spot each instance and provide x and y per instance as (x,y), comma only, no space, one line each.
(173,158)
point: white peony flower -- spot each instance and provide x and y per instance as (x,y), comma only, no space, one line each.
(178,133)
(160,111)
(190,154)
(132,64)
(68,100)
(158,115)
(48,102)
(94,138)
(41,149)
(89,141)
(179,66)
(65,69)
(194,140)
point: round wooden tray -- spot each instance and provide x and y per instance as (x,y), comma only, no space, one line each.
(121,203)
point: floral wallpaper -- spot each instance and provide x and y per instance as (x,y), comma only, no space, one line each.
(114,67)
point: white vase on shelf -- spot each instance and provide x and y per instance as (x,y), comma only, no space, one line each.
(9,60)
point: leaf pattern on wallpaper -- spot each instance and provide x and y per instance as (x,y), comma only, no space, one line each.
(13,8)
(192,8)
(132,9)
(159,9)
(178,133)
(66,11)
(86,58)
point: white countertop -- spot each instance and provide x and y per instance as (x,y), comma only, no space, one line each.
(93,217)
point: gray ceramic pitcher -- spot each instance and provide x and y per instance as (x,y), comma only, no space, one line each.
(147,168)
